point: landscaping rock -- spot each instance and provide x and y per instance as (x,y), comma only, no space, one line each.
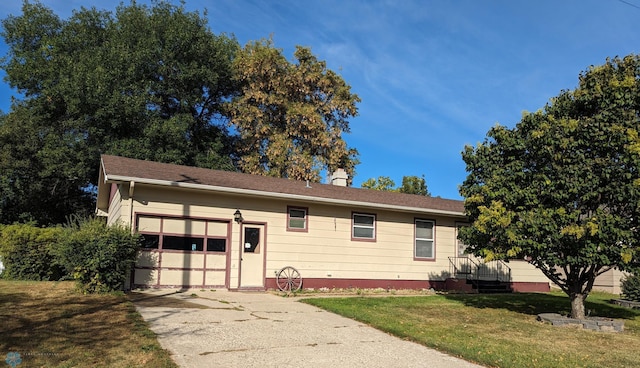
(626,303)
(590,323)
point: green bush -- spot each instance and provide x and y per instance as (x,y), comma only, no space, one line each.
(631,287)
(98,257)
(28,252)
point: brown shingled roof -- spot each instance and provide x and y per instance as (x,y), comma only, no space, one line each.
(125,169)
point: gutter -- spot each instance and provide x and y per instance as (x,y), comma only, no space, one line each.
(259,193)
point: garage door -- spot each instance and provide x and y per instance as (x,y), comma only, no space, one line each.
(182,252)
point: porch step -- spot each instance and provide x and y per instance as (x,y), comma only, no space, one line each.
(490,287)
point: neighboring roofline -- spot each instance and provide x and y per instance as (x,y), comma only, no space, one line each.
(253,192)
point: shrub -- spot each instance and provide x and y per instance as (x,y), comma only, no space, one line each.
(98,257)
(27,252)
(630,286)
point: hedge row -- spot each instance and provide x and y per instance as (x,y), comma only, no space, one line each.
(98,257)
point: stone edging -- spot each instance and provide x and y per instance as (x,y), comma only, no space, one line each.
(591,323)
(626,303)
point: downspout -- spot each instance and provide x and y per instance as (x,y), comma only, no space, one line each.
(132,185)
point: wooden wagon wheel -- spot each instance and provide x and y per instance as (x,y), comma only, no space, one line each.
(289,279)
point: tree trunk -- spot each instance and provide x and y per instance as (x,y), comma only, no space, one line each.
(577,305)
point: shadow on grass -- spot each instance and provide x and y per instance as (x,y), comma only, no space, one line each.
(536,303)
(51,324)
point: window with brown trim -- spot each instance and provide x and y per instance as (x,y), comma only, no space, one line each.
(363,226)
(424,239)
(461,247)
(297,219)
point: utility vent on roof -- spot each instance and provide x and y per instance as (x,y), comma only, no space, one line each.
(339,178)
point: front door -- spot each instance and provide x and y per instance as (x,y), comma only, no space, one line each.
(252,256)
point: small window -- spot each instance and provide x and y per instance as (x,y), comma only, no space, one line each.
(182,243)
(296,218)
(251,240)
(460,245)
(216,245)
(150,241)
(424,239)
(364,226)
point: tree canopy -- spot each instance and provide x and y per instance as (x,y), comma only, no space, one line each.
(291,116)
(382,183)
(562,188)
(145,83)
(153,82)
(410,184)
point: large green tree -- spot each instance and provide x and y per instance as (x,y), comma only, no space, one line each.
(147,82)
(562,188)
(291,116)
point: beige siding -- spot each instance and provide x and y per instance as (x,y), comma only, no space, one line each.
(325,250)
(522,271)
(115,208)
(609,281)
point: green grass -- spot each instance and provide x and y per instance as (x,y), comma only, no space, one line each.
(51,325)
(499,330)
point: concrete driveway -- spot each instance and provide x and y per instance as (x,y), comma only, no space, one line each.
(237,329)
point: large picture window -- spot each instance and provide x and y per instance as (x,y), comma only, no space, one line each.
(424,242)
(364,226)
(297,219)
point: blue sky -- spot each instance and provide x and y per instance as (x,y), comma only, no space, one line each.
(433,76)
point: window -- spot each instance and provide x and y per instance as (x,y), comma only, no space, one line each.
(296,219)
(150,241)
(460,246)
(251,240)
(364,226)
(182,243)
(216,245)
(424,239)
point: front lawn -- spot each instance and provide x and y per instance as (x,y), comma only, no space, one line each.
(499,330)
(50,325)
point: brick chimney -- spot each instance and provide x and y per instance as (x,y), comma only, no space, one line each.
(339,178)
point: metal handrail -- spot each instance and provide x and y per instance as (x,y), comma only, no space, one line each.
(463,266)
(493,270)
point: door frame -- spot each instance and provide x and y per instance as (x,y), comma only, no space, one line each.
(264,255)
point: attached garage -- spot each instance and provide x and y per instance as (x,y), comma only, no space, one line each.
(182,252)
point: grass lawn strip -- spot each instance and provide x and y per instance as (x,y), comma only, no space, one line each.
(50,324)
(499,330)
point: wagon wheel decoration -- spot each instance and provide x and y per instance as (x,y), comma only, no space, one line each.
(289,279)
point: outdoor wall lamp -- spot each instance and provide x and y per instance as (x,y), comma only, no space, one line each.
(237,216)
